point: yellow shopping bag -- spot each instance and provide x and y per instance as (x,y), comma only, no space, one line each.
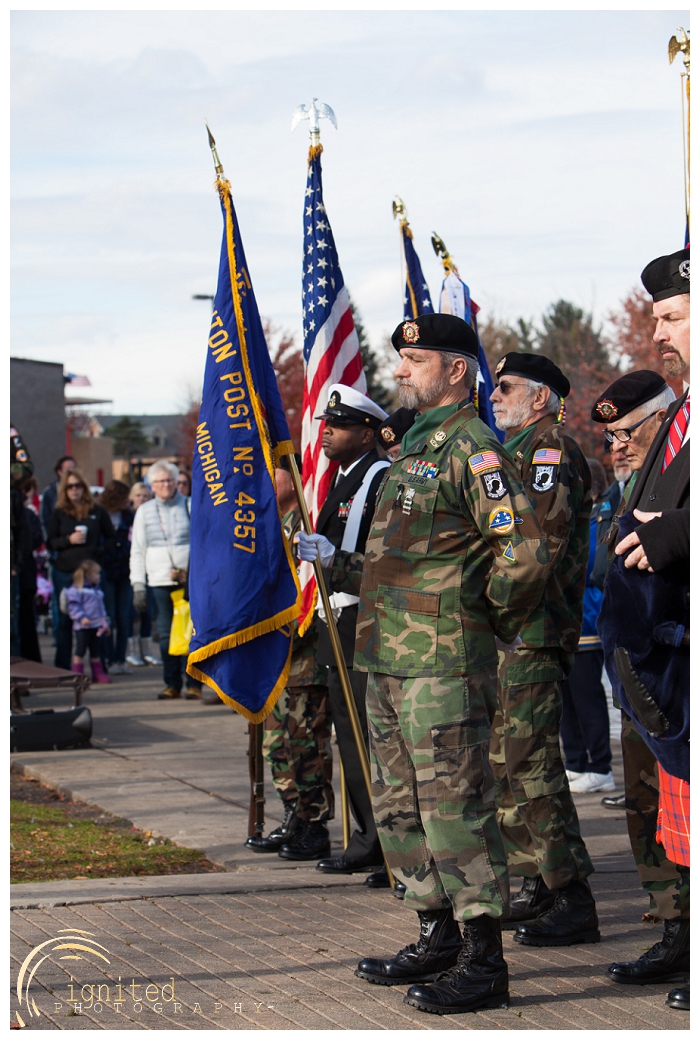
(181,627)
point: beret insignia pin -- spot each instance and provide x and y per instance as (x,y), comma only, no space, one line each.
(388,434)
(684,269)
(410,332)
(606,409)
(500,365)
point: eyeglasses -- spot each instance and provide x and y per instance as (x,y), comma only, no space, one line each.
(74,485)
(168,481)
(506,387)
(183,480)
(623,436)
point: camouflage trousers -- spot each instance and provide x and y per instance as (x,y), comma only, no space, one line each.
(536,812)
(433,791)
(667,884)
(297,745)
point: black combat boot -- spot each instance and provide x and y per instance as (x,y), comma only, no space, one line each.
(276,838)
(437,950)
(666,961)
(533,900)
(479,979)
(572,919)
(310,841)
(679,998)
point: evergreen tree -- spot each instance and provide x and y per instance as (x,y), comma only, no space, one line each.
(376,389)
(129,438)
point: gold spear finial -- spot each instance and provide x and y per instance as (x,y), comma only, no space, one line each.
(215,154)
(442,251)
(398,209)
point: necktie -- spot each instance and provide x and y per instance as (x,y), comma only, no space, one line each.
(678,430)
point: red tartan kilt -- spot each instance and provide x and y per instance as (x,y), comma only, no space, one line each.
(673,821)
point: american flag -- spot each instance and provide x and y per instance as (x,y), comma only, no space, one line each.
(547,455)
(331,351)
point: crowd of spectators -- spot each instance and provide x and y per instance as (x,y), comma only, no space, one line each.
(96,567)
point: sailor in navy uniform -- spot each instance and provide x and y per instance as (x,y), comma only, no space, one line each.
(349,438)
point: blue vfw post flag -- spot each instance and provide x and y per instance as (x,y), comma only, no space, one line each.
(417,299)
(243,585)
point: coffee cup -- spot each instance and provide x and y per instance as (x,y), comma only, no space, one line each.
(82,529)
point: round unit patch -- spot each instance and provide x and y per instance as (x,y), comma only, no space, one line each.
(501,521)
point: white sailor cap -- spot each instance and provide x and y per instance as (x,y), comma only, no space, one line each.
(348,407)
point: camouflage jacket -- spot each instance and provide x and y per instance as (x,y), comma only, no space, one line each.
(304,669)
(455,555)
(555,475)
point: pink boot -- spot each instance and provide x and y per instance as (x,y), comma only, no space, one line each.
(78,667)
(98,673)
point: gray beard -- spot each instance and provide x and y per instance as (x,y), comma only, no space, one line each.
(516,416)
(412,396)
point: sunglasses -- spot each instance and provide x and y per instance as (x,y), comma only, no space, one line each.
(506,387)
(623,436)
(74,485)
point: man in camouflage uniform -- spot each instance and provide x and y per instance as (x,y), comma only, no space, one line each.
(536,813)
(297,734)
(633,409)
(455,557)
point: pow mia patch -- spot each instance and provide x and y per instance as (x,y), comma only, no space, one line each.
(494,485)
(543,478)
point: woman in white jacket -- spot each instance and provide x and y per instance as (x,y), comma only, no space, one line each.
(160,556)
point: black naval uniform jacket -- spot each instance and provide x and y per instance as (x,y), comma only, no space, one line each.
(666,539)
(331,523)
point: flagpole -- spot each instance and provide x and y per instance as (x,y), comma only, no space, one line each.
(680,44)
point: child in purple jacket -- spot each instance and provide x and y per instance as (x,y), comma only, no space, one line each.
(86,609)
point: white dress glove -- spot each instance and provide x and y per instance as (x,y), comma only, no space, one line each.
(315,546)
(508,647)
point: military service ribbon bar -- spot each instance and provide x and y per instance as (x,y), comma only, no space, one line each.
(423,469)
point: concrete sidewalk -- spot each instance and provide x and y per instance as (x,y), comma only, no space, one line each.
(270,944)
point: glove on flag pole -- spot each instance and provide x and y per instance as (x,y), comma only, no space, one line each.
(243,586)
(417,298)
(456,299)
(331,347)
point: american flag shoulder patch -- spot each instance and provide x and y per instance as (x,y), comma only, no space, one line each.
(484,460)
(550,455)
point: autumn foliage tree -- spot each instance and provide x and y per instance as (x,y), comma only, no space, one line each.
(632,342)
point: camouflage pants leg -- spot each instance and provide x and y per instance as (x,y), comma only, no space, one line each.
(536,812)
(307,746)
(432,791)
(275,753)
(667,884)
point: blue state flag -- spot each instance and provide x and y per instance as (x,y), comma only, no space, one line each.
(417,297)
(455,298)
(243,585)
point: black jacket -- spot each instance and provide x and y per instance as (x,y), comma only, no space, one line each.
(331,523)
(666,539)
(602,513)
(100,536)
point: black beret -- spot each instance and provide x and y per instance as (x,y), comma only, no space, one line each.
(668,275)
(397,425)
(537,367)
(626,394)
(437,332)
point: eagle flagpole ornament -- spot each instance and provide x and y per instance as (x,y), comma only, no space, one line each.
(680,44)
(313,113)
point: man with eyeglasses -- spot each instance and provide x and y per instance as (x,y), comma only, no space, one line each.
(644,627)
(536,812)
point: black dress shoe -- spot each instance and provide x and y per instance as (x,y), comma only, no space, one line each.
(572,919)
(310,841)
(276,838)
(342,865)
(380,879)
(533,900)
(613,801)
(478,980)
(679,998)
(437,950)
(666,961)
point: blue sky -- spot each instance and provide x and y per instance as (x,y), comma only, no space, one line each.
(544,147)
